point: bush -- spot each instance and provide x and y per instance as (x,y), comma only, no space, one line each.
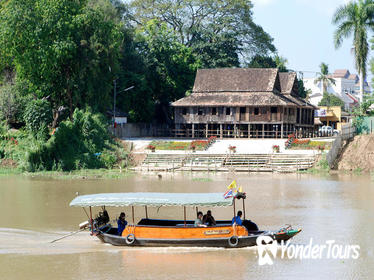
(12,104)
(81,143)
(37,116)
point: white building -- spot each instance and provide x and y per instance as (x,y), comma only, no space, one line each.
(347,88)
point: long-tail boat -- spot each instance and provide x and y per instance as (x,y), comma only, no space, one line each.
(160,232)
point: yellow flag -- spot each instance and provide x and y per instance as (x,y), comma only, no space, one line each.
(240,189)
(232,185)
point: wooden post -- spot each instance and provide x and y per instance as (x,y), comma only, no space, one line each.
(276,132)
(234,130)
(133,215)
(193,130)
(146,212)
(206,130)
(184,210)
(220,131)
(91,221)
(249,131)
(263,130)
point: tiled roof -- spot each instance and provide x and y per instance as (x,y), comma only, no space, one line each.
(235,80)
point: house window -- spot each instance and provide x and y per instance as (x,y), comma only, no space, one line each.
(214,111)
(291,111)
(257,111)
(274,110)
(263,110)
(200,111)
(184,111)
(228,111)
(242,110)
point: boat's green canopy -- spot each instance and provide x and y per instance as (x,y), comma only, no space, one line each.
(152,199)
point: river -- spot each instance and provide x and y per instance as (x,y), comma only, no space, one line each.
(35,211)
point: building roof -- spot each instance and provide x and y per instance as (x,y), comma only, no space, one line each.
(235,80)
(341,73)
(243,87)
(353,77)
(287,82)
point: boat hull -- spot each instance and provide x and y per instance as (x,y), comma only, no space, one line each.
(224,242)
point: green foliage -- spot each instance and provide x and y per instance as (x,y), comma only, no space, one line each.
(303,92)
(38,116)
(323,77)
(323,164)
(170,65)
(211,23)
(62,49)
(8,104)
(260,61)
(78,144)
(330,99)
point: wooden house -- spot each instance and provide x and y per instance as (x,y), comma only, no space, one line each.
(243,103)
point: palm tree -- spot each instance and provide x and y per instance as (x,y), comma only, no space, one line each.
(323,77)
(357,18)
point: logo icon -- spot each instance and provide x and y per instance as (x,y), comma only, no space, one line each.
(264,245)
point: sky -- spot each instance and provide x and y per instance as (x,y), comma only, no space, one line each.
(303,33)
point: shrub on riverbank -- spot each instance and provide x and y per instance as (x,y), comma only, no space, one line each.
(78,144)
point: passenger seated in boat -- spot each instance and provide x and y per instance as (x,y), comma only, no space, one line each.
(237,220)
(122,223)
(208,219)
(198,221)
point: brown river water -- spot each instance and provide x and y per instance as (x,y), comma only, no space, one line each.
(35,211)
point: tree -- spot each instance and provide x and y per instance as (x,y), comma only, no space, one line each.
(330,99)
(357,18)
(215,50)
(323,77)
(303,92)
(260,61)
(195,20)
(62,49)
(171,66)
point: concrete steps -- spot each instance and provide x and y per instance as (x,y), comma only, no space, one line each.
(278,162)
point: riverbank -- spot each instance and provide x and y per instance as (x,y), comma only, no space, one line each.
(358,155)
(65,175)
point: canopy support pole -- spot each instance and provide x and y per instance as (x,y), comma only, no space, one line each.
(91,221)
(146,212)
(234,208)
(184,210)
(133,217)
(244,208)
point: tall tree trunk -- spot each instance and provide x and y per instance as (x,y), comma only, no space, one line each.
(361,96)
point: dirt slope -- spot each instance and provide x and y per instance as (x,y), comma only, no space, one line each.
(359,154)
